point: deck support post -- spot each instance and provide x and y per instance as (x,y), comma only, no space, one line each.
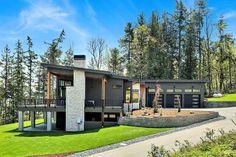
(103,99)
(49,89)
(45,117)
(20,120)
(32,119)
(49,121)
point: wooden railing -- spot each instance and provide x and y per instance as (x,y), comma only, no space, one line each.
(42,103)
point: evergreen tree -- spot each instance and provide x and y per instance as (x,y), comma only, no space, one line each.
(154,54)
(201,12)
(6,75)
(141,37)
(18,74)
(126,44)
(69,57)
(31,63)
(221,56)
(190,58)
(180,18)
(53,53)
(115,61)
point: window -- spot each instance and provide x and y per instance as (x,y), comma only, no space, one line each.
(127,95)
(61,83)
(151,90)
(116,86)
(188,90)
(196,90)
(112,116)
(135,96)
(169,90)
(68,83)
(178,90)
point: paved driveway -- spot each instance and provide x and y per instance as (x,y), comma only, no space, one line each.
(193,135)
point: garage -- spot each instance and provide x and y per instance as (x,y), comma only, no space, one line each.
(172,100)
(191,100)
(151,97)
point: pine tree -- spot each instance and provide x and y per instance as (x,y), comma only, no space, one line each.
(126,44)
(180,17)
(5,75)
(141,37)
(115,61)
(154,54)
(201,12)
(53,53)
(69,57)
(31,63)
(18,74)
(190,58)
(221,56)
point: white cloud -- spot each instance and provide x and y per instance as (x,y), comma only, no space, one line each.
(43,15)
(230,14)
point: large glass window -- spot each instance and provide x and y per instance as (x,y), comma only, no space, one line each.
(188,90)
(178,90)
(170,90)
(196,90)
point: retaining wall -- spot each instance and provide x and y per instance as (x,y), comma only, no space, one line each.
(163,122)
(219,104)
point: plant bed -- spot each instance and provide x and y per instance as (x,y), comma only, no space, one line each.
(166,118)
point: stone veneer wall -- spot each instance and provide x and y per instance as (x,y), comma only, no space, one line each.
(218,104)
(163,122)
(75,97)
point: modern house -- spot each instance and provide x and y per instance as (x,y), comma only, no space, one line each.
(85,99)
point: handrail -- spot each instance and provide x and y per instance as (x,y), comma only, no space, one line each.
(42,103)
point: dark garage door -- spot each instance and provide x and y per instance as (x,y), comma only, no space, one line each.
(191,100)
(151,97)
(172,100)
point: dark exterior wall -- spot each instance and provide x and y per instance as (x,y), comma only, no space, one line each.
(94,90)
(179,85)
(114,92)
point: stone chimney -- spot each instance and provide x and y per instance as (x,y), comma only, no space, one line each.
(80,61)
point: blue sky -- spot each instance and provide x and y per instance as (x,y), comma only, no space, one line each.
(82,20)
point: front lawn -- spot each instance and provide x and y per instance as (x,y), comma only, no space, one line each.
(226,97)
(14,143)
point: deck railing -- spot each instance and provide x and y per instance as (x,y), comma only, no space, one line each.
(43,103)
(103,103)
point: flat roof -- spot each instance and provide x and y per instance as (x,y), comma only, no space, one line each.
(71,68)
(173,81)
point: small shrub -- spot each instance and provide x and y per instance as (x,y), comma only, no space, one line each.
(158,152)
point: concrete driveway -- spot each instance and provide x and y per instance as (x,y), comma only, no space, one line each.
(193,135)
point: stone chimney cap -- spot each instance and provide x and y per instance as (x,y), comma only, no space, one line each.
(79,57)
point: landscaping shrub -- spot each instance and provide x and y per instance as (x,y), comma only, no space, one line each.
(223,146)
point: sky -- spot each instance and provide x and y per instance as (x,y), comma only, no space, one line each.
(83,20)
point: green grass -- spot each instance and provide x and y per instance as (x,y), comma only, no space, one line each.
(226,97)
(14,143)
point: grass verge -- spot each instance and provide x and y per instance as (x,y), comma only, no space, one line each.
(14,143)
(226,97)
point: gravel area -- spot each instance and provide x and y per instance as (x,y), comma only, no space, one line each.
(125,143)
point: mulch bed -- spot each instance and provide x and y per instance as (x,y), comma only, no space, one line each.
(148,112)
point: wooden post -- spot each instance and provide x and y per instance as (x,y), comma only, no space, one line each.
(49,88)
(103,99)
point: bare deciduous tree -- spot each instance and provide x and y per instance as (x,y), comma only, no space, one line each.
(96,48)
